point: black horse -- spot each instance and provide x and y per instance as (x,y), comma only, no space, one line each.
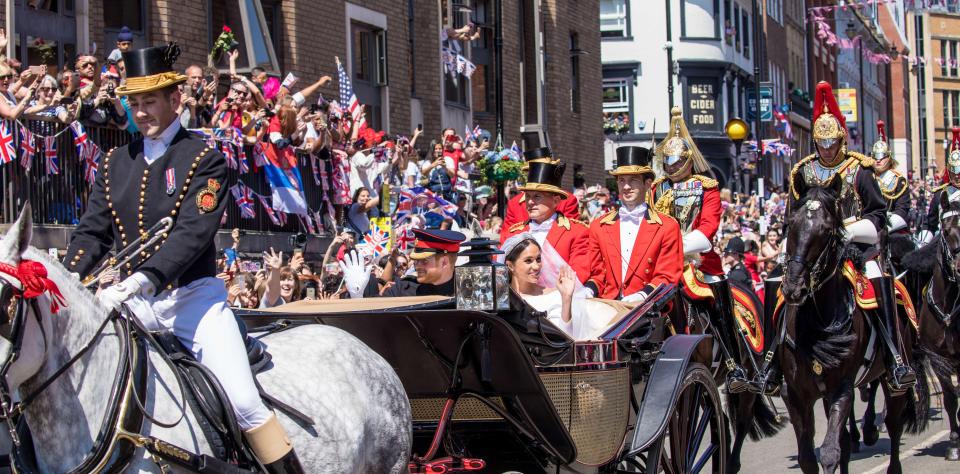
(828,349)
(939,325)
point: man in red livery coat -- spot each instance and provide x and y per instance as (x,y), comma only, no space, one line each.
(543,193)
(633,249)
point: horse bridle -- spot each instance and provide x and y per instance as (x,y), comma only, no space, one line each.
(814,283)
(949,254)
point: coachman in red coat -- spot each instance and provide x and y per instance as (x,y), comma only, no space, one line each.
(543,195)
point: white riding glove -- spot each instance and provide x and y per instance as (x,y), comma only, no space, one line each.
(637,297)
(925,237)
(895,222)
(861,232)
(355,273)
(695,243)
(113,296)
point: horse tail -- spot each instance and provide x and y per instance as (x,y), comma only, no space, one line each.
(764,420)
(917,414)
(834,343)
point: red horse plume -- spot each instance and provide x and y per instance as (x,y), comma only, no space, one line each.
(825,102)
(882,130)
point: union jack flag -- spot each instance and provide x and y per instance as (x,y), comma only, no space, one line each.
(348,98)
(28,147)
(269,210)
(404,237)
(80,139)
(242,159)
(259,157)
(8,151)
(50,155)
(376,242)
(227,149)
(91,161)
(472,134)
(307,222)
(244,197)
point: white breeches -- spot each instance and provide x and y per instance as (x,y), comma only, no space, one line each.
(199,316)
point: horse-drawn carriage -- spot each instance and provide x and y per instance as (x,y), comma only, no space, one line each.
(508,391)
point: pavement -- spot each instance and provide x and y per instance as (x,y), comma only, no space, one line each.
(921,453)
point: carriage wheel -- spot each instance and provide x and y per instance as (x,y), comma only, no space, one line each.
(695,439)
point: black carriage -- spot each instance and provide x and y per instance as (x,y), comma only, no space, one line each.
(508,391)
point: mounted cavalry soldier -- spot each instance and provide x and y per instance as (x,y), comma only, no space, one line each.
(864,210)
(635,248)
(689,193)
(173,285)
(544,193)
(893,185)
(951,188)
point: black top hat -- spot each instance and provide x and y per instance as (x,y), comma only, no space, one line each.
(633,160)
(150,69)
(545,175)
(538,154)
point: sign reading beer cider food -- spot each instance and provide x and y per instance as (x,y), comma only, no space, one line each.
(701,104)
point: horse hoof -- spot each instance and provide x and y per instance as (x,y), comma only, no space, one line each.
(953,454)
(870,436)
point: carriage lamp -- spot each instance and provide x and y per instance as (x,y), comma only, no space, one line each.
(482,283)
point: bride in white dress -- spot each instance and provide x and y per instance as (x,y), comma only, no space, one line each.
(566,306)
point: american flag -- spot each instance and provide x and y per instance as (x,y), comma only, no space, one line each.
(244,197)
(8,151)
(269,210)
(28,147)
(50,155)
(349,98)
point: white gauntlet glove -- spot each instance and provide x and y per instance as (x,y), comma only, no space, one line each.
(895,222)
(861,232)
(925,237)
(637,297)
(355,273)
(695,243)
(112,297)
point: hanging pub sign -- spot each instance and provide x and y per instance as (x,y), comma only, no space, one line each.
(701,104)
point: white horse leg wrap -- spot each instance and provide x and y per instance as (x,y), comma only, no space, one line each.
(200,318)
(872,269)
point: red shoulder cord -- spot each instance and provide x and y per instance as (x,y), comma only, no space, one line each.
(33,278)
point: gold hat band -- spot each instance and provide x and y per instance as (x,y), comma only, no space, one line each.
(632,169)
(144,84)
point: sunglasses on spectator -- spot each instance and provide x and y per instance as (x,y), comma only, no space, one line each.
(6,77)
(45,89)
(239,91)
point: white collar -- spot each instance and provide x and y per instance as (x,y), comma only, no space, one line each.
(166,137)
(545,225)
(634,214)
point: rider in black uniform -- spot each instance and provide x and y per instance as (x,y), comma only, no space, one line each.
(863,208)
(931,224)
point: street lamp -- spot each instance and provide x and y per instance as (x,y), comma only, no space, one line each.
(482,284)
(736,131)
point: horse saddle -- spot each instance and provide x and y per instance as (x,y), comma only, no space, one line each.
(211,405)
(696,284)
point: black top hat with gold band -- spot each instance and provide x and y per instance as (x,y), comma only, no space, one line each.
(633,160)
(150,69)
(544,173)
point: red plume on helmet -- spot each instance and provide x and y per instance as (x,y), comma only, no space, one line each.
(825,102)
(955,141)
(882,131)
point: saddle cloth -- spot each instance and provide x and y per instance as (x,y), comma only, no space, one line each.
(865,295)
(694,283)
(747,311)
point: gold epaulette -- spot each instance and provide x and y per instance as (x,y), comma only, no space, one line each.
(517,227)
(653,216)
(609,218)
(941,187)
(795,170)
(898,190)
(708,182)
(864,160)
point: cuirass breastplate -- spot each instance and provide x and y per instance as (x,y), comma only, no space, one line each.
(815,174)
(687,201)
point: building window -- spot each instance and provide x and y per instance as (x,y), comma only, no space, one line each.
(700,19)
(746,33)
(738,37)
(614,19)
(250,28)
(616,101)
(728,30)
(951,109)
(455,85)
(575,53)
(775,10)
(125,13)
(482,82)
(369,65)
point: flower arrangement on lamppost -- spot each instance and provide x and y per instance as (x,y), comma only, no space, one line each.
(736,130)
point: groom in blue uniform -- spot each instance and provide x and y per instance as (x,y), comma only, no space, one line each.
(173,285)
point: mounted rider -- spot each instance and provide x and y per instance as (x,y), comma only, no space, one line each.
(864,209)
(688,192)
(951,187)
(893,185)
(173,286)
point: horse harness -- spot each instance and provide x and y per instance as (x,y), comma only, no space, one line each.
(949,257)
(119,436)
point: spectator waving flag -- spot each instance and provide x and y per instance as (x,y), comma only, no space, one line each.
(348,98)
(8,151)
(244,197)
(91,161)
(376,242)
(50,155)
(28,147)
(287,187)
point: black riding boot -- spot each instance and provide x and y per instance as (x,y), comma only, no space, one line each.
(902,376)
(765,381)
(272,447)
(725,330)
(288,464)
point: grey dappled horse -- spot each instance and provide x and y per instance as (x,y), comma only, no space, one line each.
(359,405)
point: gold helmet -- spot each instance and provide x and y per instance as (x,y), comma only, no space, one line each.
(881,148)
(678,146)
(829,125)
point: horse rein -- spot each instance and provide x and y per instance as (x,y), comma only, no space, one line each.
(813,282)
